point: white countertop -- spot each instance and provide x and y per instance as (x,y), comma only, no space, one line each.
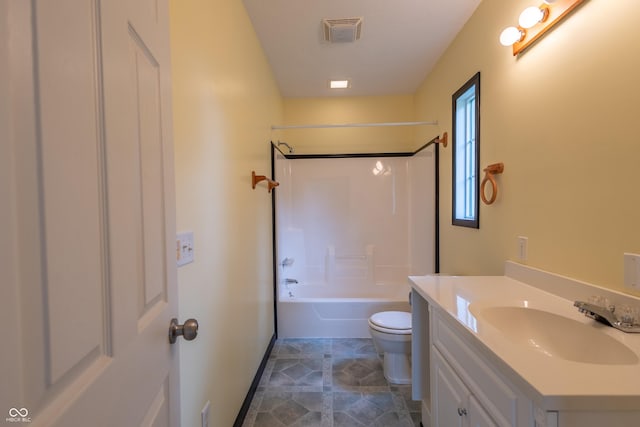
(558,384)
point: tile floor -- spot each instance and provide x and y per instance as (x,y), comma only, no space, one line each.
(329,383)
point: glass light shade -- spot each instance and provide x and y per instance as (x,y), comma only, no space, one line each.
(530,17)
(510,35)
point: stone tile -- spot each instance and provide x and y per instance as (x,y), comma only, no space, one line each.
(281,364)
(296,372)
(375,378)
(344,400)
(290,409)
(327,403)
(383,400)
(352,346)
(312,379)
(312,401)
(273,399)
(329,383)
(341,419)
(289,412)
(265,419)
(365,411)
(361,372)
(327,369)
(313,364)
(268,369)
(298,346)
(392,419)
(312,419)
(403,393)
(365,407)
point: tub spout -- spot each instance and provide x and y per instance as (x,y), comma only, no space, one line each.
(290,281)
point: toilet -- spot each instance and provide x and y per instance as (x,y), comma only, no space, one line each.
(391,333)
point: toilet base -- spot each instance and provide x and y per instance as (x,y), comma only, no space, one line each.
(397,368)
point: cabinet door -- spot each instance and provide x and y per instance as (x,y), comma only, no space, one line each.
(478,417)
(450,398)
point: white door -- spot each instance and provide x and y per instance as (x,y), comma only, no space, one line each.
(87,214)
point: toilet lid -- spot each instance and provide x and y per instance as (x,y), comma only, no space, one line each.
(396,320)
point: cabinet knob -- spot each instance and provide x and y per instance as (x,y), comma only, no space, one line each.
(462,411)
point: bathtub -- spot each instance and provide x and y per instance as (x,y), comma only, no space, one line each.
(323,311)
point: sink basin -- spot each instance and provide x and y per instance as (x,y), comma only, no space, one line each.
(555,335)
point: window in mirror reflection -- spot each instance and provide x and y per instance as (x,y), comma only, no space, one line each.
(465,152)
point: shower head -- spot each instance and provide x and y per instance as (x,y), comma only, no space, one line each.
(286,145)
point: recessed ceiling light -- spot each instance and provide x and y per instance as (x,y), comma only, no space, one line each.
(339,84)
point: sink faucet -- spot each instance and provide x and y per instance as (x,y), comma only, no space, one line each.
(606,315)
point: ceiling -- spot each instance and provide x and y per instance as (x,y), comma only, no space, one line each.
(400,43)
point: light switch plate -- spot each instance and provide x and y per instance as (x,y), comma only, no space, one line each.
(184,248)
(632,271)
(522,248)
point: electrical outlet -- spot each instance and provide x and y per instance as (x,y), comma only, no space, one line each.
(205,414)
(184,248)
(522,248)
(632,271)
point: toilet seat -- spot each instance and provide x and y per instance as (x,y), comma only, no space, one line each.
(391,322)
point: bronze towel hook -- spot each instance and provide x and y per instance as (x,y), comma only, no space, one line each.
(489,171)
(271,184)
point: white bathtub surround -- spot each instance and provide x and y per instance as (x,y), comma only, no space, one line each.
(568,369)
(350,268)
(356,227)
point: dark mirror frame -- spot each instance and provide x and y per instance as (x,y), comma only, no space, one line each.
(471,223)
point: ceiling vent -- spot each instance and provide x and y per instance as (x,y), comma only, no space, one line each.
(345,30)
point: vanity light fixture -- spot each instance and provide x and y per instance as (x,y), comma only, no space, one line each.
(339,84)
(511,35)
(533,15)
(534,21)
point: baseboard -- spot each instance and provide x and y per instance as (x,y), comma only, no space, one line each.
(254,385)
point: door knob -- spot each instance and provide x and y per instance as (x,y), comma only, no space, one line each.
(189,330)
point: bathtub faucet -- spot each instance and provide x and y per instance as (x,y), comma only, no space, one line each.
(287,262)
(290,281)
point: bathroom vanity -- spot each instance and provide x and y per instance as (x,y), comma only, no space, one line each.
(512,350)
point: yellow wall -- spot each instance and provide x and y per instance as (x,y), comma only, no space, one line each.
(225,100)
(341,110)
(563,117)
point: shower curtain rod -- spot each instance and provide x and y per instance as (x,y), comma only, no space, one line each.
(355,125)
